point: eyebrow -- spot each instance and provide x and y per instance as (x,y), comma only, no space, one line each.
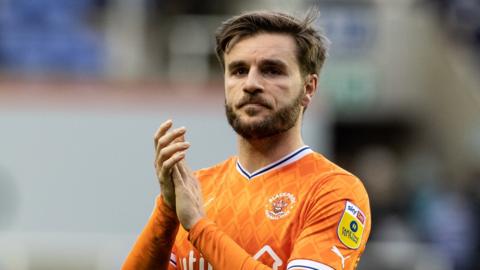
(265,62)
(236,64)
(273,62)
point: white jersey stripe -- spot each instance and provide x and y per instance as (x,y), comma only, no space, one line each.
(290,158)
(173,260)
(307,265)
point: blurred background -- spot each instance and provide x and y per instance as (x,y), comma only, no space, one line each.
(84,84)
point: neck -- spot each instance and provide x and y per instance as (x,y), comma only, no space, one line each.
(258,153)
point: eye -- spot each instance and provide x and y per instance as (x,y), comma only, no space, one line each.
(239,71)
(272,71)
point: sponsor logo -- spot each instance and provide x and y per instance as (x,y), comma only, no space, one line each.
(354,226)
(361,217)
(195,260)
(280,205)
(277,262)
(351,225)
(192,262)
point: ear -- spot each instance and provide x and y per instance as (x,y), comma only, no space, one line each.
(310,87)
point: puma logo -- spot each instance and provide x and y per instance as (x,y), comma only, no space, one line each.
(337,252)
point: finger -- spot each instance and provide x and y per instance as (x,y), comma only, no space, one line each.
(180,138)
(169,163)
(169,137)
(166,152)
(164,127)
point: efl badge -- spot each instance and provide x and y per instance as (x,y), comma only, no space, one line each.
(280,205)
(350,228)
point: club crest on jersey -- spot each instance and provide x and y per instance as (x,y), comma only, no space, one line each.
(351,225)
(280,205)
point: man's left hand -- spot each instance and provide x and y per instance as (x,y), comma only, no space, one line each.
(188,196)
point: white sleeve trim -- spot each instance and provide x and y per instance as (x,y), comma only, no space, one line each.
(173,260)
(307,264)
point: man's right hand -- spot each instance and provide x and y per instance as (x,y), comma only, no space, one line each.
(170,148)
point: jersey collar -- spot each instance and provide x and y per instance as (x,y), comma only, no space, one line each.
(290,158)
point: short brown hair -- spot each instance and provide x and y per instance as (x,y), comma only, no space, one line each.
(311,45)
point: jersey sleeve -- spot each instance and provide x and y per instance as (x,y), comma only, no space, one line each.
(153,248)
(219,249)
(336,226)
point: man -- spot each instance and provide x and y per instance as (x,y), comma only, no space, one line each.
(278,204)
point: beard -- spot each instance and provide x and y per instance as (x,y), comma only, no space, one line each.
(278,122)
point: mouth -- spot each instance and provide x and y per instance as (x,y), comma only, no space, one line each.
(254,103)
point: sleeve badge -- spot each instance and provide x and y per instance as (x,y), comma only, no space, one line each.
(351,225)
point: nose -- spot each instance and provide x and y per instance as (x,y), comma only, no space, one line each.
(253,82)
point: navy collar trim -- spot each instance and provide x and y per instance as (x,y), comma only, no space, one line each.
(296,155)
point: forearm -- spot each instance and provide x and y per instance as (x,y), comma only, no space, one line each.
(220,250)
(154,245)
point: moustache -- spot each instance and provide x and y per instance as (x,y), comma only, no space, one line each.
(258,100)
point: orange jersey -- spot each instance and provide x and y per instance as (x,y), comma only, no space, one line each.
(302,212)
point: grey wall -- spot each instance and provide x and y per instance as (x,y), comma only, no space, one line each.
(80,185)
